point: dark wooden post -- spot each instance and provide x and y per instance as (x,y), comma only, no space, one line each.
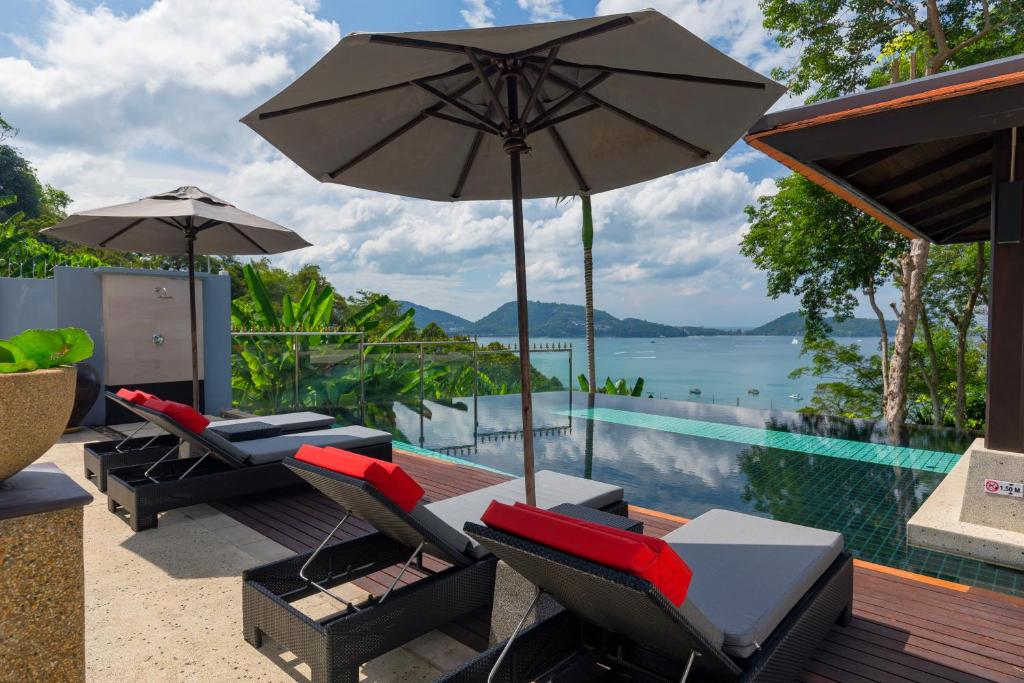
(1005,406)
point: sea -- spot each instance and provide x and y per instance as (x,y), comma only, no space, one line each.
(726,369)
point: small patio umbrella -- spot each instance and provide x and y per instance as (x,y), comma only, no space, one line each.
(183,221)
(540,110)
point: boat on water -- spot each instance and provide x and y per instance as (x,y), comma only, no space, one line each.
(753,392)
(695,391)
(796,397)
(795,341)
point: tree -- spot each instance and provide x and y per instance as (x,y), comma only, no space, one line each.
(433,332)
(587,238)
(957,281)
(846,45)
(18,178)
(854,388)
(818,247)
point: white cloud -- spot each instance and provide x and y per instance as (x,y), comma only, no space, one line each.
(175,75)
(544,10)
(477,14)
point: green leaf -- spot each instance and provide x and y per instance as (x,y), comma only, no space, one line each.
(10,353)
(78,345)
(259,295)
(287,312)
(638,388)
(27,365)
(584,384)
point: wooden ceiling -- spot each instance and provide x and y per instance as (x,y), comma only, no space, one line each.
(917,155)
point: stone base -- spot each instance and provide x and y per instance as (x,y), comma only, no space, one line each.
(42,593)
(512,597)
(938,524)
(989,509)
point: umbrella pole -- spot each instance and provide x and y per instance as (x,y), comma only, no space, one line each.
(521,302)
(191,239)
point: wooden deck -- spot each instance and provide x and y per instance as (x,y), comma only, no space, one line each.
(906,627)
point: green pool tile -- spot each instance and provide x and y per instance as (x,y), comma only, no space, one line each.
(879,454)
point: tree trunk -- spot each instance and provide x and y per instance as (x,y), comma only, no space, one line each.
(883,331)
(913,265)
(931,372)
(588,287)
(963,329)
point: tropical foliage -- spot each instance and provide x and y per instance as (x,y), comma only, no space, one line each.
(42,349)
(619,388)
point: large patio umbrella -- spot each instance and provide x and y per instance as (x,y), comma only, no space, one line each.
(539,110)
(183,221)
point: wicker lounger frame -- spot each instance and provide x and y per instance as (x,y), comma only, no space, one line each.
(180,482)
(334,647)
(566,647)
(99,457)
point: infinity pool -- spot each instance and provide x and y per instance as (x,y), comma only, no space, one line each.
(686,458)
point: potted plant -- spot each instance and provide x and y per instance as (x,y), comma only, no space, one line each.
(37,390)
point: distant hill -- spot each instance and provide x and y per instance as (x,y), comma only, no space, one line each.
(792,325)
(449,322)
(569,320)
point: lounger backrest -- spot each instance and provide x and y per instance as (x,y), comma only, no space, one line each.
(363,500)
(217,446)
(613,600)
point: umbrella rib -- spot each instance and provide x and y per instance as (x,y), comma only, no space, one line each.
(711,80)
(488,87)
(458,104)
(355,96)
(569,98)
(467,164)
(251,240)
(611,25)
(643,123)
(585,109)
(563,149)
(462,122)
(535,90)
(403,41)
(121,231)
(400,131)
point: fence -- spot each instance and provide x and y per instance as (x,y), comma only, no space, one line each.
(345,374)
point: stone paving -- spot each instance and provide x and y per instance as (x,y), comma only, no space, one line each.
(165,604)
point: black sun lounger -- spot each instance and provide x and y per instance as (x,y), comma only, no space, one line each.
(102,456)
(335,646)
(218,468)
(763,596)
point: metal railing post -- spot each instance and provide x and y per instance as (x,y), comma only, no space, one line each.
(295,350)
(362,381)
(421,394)
(476,382)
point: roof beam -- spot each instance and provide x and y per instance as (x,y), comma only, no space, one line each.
(862,162)
(963,223)
(970,177)
(930,212)
(959,155)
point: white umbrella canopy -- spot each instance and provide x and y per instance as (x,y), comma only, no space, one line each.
(183,221)
(539,110)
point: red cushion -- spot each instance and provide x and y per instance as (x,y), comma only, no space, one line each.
(134,395)
(644,557)
(387,477)
(186,416)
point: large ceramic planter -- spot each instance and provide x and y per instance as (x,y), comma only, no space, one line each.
(34,409)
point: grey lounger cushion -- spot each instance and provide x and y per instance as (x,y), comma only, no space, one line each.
(447,517)
(288,422)
(749,572)
(274,449)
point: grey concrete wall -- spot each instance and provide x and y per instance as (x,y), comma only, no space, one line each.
(26,303)
(74,297)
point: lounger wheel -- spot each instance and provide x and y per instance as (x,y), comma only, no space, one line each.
(112,504)
(846,616)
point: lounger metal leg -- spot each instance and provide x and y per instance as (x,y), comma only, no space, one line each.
(511,638)
(166,455)
(689,664)
(312,558)
(129,437)
(195,465)
(416,553)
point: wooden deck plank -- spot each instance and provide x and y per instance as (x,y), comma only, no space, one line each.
(905,628)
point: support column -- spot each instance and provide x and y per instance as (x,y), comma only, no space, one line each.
(1005,405)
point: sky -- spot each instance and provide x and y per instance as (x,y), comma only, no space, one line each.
(122,99)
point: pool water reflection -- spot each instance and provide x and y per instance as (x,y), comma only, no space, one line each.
(683,462)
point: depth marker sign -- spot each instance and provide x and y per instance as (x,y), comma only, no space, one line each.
(1004,488)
